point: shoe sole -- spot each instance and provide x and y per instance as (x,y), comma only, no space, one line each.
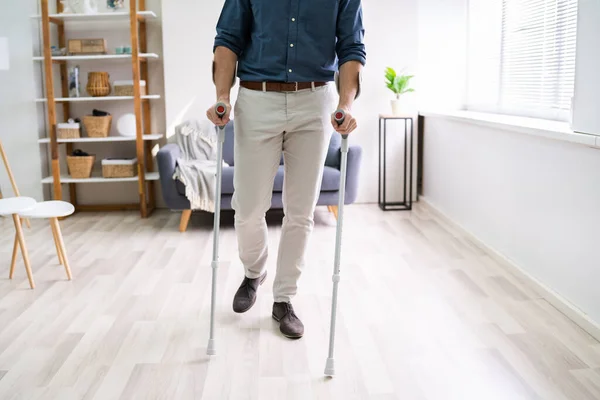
(286,335)
(262,280)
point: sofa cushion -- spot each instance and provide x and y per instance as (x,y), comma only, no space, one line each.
(330,182)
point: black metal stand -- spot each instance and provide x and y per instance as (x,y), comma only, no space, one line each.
(406,204)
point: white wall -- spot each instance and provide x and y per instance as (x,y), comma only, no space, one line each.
(391,31)
(534,200)
(18,118)
(442,51)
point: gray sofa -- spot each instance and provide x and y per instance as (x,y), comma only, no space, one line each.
(174,192)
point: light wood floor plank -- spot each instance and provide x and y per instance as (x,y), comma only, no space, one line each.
(424,314)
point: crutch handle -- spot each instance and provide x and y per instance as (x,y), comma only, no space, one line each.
(221,110)
(340,116)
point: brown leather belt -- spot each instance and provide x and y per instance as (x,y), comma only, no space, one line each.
(280,86)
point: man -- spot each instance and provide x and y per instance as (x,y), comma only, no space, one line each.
(287,53)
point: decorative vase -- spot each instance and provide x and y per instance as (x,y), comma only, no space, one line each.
(98,84)
(396,108)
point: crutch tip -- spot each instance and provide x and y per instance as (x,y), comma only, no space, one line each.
(211,350)
(330,368)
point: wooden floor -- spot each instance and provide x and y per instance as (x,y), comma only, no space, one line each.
(424,314)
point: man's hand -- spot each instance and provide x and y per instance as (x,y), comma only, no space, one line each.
(211,114)
(348,125)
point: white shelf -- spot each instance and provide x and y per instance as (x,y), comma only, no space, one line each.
(99,57)
(99,16)
(105,98)
(150,176)
(106,139)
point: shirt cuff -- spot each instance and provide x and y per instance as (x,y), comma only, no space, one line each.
(352,57)
(223,42)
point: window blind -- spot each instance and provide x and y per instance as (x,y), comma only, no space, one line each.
(527,51)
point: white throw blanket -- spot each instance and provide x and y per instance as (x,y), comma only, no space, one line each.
(197,166)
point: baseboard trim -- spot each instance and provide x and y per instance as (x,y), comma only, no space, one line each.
(558,301)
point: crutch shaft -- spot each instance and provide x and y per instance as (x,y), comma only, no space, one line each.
(330,366)
(220,109)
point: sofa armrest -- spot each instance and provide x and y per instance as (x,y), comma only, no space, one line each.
(353,173)
(167,162)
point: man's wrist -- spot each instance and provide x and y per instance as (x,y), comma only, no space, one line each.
(345,106)
(223,95)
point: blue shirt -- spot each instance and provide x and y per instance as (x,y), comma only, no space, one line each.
(291,40)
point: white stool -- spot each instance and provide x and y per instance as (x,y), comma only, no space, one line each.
(52,210)
(14,206)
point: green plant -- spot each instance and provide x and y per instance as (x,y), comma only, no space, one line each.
(399,84)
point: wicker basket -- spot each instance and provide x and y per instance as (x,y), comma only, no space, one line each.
(68,131)
(98,84)
(80,167)
(97,127)
(119,168)
(125,88)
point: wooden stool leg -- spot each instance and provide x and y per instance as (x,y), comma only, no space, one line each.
(61,243)
(57,245)
(19,229)
(14,257)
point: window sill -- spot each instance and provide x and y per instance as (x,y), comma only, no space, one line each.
(531,126)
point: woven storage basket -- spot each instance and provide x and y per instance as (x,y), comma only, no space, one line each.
(119,168)
(80,167)
(125,88)
(68,131)
(97,127)
(98,84)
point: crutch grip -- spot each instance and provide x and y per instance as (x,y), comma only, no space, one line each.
(340,116)
(221,110)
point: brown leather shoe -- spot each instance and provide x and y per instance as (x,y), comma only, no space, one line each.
(245,297)
(289,323)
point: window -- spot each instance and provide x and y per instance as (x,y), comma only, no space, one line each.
(522,57)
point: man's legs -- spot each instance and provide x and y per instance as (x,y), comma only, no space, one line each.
(259,125)
(305,147)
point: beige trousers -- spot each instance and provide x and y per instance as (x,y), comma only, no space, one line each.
(267,124)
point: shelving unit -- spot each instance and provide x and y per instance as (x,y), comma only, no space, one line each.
(144,139)
(142,15)
(105,98)
(143,57)
(151,176)
(106,139)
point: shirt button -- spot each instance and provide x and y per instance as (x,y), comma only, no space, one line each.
(289,70)
(292,45)
(293,19)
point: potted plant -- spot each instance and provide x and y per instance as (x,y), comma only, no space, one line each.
(399,84)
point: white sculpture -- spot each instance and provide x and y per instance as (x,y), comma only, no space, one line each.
(126,125)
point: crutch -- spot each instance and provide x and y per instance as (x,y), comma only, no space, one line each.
(339,117)
(220,109)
